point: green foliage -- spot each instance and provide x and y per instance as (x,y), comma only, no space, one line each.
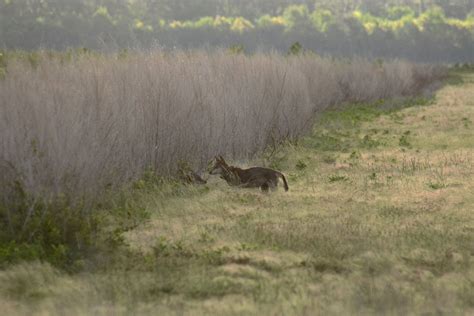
(86,23)
(237,49)
(295,49)
(437,185)
(266,21)
(296,16)
(339,130)
(404,141)
(399,12)
(369,142)
(204,22)
(322,20)
(3,59)
(12,252)
(56,230)
(301,165)
(337,178)
(64,231)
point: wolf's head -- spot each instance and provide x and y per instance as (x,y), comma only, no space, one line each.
(219,166)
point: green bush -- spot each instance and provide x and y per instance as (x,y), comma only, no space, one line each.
(57,230)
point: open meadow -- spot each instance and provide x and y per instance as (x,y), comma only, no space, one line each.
(378,218)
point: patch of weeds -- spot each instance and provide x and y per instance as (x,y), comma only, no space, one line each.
(206,237)
(381,298)
(65,232)
(125,213)
(123,54)
(246,247)
(295,49)
(397,117)
(337,178)
(150,182)
(220,286)
(326,142)
(246,198)
(437,185)
(3,59)
(337,129)
(166,248)
(371,263)
(28,281)
(60,231)
(187,175)
(236,49)
(368,142)
(355,155)
(436,261)
(301,165)
(215,256)
(277,160)
(375,180)
(394,212)
(33,59)
(455,79)
(12,251)
(329,159)
(389,179)
(466,122)
(420,101)
(353,114)
(463,67)
(393,105)
(404,141)
(245,220)
(467,293)
(325,265)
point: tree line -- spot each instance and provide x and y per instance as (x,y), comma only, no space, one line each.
(422,30)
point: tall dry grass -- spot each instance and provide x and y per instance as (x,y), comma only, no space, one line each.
(74,128)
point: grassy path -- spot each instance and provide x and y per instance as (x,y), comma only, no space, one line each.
(379,219)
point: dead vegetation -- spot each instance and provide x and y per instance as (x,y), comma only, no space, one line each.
(99,121)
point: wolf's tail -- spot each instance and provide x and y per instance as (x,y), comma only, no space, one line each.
(284,182)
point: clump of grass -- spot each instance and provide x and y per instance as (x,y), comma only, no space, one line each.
(337,178)
(404,140)
(437,185)
(301,165)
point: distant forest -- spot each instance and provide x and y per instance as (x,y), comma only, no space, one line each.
(419,30)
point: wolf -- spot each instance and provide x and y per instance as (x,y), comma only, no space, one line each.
(256,177)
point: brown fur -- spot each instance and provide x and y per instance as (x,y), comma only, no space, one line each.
(256,177)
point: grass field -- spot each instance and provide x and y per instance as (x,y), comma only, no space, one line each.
(378,220)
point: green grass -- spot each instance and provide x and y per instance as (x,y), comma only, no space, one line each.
(378,220)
